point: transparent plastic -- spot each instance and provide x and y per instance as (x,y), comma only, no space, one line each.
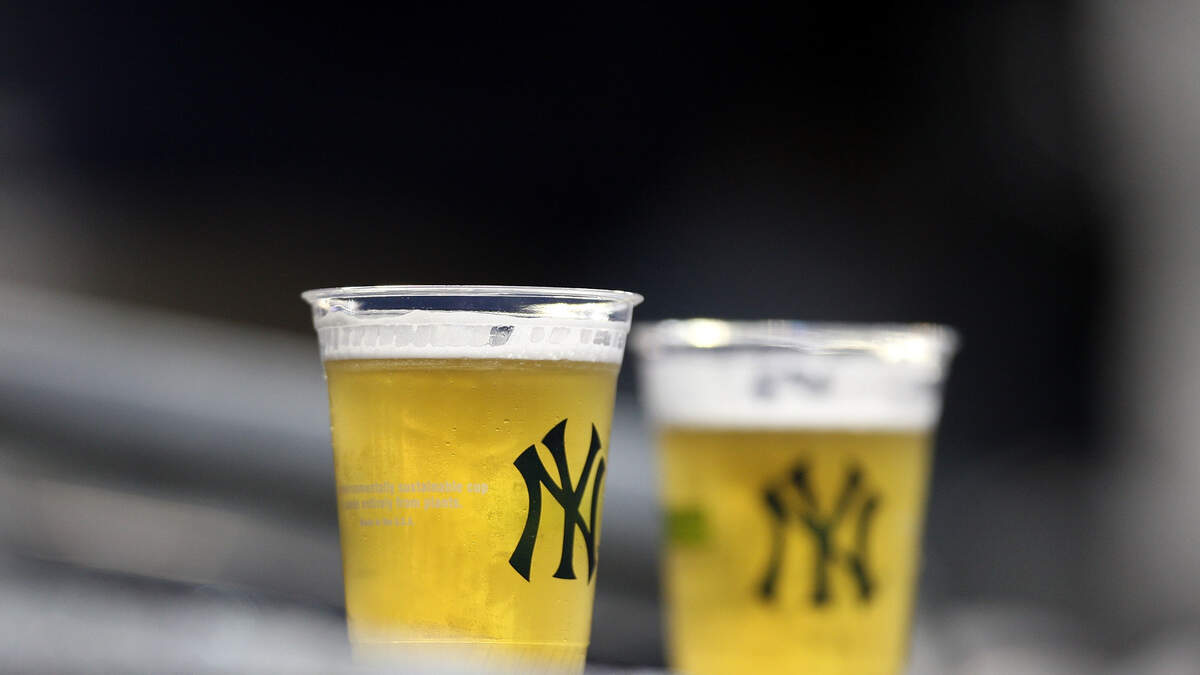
(794,462)
(460,542)
(506,322)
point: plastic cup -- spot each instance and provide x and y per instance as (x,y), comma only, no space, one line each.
(794,466)
(470,430)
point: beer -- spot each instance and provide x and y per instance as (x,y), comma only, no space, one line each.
(794,461)
(747,587)
(431,506)
(470,431)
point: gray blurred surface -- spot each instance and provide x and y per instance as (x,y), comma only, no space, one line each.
(165,506)
(1145,94)
(62,620)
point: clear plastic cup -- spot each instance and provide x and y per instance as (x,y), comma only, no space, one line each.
(470,431)
(795,460)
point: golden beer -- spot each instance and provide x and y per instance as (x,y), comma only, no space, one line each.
(470,429)
(431,506)
(794,466)
(791,550)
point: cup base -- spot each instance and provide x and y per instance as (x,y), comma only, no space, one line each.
(478,656)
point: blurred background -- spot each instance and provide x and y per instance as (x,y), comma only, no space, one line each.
(172,176)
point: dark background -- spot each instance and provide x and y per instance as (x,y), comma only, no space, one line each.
(821,162)
(860,162)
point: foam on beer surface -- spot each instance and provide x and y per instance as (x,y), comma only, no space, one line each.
(787,391)
(437,334)
(788,375)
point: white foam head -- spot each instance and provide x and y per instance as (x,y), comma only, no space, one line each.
(479,322)
(778,375)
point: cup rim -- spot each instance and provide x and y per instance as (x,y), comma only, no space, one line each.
(816,337)
(475,291)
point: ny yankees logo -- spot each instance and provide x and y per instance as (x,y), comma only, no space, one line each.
(568,497)
(794,499)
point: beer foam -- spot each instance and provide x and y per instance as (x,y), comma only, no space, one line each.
(440,334)
(788,390)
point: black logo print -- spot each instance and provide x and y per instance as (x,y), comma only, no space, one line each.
(566,495)
(793,500)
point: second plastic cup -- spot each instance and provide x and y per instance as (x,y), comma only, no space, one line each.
(794,459)
(470,429)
